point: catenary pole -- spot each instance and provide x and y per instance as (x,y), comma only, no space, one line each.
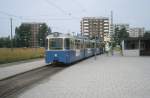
(11,37)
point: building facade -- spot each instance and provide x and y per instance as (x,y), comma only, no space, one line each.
(95,27)
(136,32)
(34,29)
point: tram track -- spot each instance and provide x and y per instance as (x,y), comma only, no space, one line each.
(12,85)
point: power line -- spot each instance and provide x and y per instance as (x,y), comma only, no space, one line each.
(10,15)
(79,4)
(50,3)
(55,19)
(34,17)
(59,8)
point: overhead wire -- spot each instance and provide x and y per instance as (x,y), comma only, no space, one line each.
(10,15)
(81,6)
(35,17)
(59,8)
(56,6)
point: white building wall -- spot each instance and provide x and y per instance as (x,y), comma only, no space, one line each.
(131,52)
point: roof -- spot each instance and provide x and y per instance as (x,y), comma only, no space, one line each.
(137,38)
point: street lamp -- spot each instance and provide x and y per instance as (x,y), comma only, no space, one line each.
(95,47)
(94,28)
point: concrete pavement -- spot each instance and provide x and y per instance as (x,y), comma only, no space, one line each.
(106,77)
(11,69)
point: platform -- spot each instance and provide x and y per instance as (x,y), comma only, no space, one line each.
(11,69)
(105,77)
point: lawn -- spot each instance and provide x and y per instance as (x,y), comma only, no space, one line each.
(17,54)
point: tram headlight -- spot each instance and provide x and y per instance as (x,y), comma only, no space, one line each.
(55,55)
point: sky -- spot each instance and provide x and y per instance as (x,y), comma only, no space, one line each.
(65,15)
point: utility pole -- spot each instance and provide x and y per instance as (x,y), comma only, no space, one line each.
(95,47)
(111,32)
(111,24)
(11,37)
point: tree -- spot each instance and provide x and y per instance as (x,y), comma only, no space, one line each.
(120,35)
(5,42)
(147,35)
(49,31)
(116,36)
(23,35)
(43,32)
(123,34)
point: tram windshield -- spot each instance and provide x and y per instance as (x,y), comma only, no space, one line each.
(56,44)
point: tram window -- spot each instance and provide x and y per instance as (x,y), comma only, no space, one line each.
(87,44)
(56,44)
(46,45)
(77,44)
(93,45)
(67,43)
(82,44)
(72,44)
(97,45)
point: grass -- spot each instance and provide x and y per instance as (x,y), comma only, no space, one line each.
(17,54)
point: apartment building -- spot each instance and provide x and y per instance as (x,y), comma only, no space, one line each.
(34,27)
(95,27)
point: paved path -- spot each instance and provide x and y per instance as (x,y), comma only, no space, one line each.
(16,68)
(107,77)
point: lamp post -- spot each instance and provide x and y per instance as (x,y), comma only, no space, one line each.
(95,49)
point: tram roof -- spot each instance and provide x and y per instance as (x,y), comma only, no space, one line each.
(60,35)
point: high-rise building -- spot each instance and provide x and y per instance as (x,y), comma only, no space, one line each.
(136,32)
(95,27)
(34,27)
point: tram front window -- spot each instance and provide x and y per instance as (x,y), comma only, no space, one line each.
(67,43)
(56,44)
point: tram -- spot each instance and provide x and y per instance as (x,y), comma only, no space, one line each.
(67,49)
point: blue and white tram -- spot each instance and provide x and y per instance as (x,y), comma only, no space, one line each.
(68,49)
